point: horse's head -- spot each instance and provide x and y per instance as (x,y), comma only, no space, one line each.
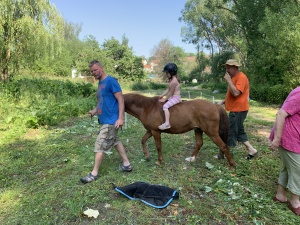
(135,104)
(139,100)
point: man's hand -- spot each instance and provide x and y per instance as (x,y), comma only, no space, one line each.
(92,112)
(227,76)
(119,123)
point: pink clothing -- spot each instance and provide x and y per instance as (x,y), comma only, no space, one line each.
(290,139)
(175,99)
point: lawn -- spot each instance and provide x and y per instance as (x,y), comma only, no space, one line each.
(40,172)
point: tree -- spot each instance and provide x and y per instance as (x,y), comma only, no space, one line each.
(264,33)
(275,59)
(71,47)
(126,65)
(29,30)
(211,25)
(166,52)
(199,72)
(88,51)
(217,69)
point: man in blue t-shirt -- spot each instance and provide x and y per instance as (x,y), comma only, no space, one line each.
(110,111)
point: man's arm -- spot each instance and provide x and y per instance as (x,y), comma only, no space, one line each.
(233,90)
(120,99)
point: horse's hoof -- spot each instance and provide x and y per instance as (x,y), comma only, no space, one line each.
(158,163)
(219,156)
(232,164)
(190,159)
(147,159)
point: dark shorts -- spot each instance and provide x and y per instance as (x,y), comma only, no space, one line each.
(107,138)
(237,131)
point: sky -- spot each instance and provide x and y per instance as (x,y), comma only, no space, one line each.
(144,23)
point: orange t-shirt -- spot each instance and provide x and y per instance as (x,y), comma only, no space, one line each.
(241,102)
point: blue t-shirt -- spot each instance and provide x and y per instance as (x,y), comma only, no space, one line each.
(107,104)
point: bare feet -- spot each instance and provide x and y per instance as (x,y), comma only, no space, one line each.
(280,199)
(251,150)
(294,209)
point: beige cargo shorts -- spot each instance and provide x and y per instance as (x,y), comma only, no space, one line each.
(107,138)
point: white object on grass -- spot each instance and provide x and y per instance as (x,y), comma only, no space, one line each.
(191,159)
(91,213)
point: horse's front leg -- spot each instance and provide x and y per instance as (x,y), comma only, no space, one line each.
(144,140)
(198,145)
(157,138)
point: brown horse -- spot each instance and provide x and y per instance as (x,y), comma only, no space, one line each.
(198,115)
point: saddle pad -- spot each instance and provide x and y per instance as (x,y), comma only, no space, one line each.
(156,196)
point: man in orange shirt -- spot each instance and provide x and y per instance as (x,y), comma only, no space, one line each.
(237,103)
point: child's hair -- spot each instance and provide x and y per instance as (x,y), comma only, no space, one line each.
(177,76)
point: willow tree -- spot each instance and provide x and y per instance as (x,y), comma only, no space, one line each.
(29,29)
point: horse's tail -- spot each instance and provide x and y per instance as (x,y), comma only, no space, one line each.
(223,124)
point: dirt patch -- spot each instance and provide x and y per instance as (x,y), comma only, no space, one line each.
(33,134)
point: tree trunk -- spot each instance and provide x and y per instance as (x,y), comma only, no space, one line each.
(4,75)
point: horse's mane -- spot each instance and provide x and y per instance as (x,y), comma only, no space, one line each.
(140,100)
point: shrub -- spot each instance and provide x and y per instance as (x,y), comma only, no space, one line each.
(35,102)
(222,87)
(277,94)
(147,86)
(157,86)
(271,94)
(139,86)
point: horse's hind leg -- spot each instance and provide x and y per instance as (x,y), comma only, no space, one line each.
(198,145)
(145,138)
(223,149)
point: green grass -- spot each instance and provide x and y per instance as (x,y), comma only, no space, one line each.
(40,172)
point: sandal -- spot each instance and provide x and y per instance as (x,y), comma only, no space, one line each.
(249,156)
(89,178)
(164,126)
(294,210)
(126,168)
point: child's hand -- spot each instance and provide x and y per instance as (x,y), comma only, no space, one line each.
(162,100)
